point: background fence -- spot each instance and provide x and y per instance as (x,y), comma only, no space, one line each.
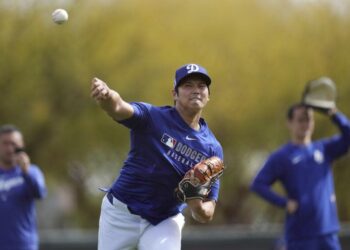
(194,238)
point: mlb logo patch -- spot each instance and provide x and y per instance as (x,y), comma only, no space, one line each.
(168,140)
(318,156)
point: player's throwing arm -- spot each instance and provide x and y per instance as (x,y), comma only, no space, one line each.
(110,100)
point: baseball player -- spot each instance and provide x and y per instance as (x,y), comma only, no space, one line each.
(304,168)
(140,209)
(21,183)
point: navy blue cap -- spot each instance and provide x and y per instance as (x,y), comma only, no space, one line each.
(189,69)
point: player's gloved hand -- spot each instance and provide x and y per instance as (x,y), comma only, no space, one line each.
(197,182)
(190,188)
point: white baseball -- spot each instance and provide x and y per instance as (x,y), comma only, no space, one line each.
(60,16)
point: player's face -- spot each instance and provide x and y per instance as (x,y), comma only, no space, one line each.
(192,94)
(302,124)
(8,144)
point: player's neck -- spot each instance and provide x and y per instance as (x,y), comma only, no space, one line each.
(301,140)
(191,118)
(5,166)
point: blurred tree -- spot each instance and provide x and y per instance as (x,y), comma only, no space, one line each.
(260,55)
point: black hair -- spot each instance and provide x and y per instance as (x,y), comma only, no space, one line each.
(8,128)
(188,76)
(290,111)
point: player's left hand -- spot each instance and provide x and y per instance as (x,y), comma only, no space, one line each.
(23,160)
(189,188)
(197,182)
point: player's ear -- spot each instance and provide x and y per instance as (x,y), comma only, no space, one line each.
(175,94)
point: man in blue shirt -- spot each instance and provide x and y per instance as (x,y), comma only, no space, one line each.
(21,183)
(140,210)
(304,168)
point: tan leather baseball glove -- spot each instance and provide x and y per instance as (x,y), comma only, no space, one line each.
(197,182)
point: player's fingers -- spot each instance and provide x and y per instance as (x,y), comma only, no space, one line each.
(100,93)
(104,92)
(95,86)
(98,97)
(96,83)
(97,91)
(95,80)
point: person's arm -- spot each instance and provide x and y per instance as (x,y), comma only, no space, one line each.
(110,100)
(263,181)
(338,145)
(22,160)
(202,211)
(35,178)
(341,121)
(32,175)
(264,190)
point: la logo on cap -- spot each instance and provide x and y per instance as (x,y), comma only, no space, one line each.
(192,68)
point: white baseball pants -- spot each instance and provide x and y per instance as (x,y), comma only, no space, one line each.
(121,230)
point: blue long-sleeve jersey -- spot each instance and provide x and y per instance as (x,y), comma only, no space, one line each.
(18,191)
(163,149)
(306,175)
